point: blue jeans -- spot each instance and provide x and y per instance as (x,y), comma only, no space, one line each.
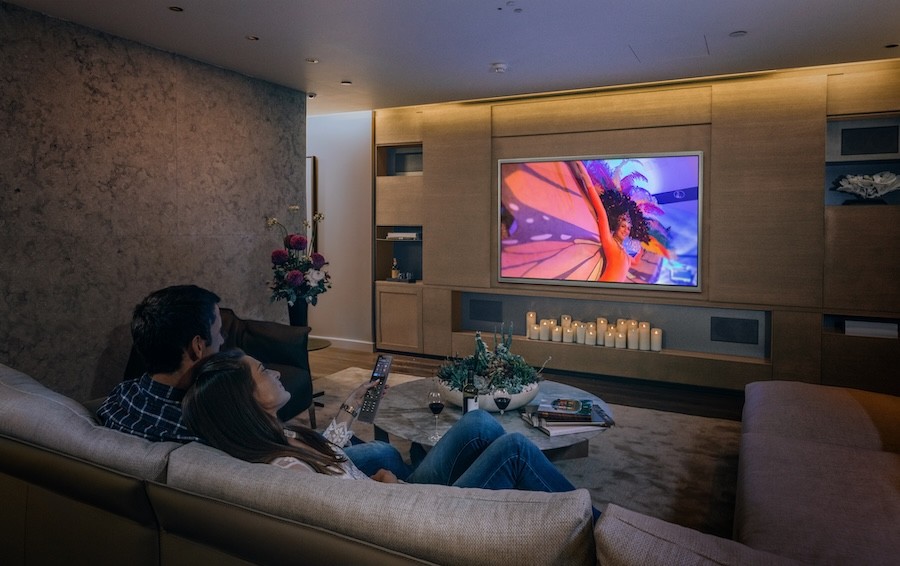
(477,452)
(373,456)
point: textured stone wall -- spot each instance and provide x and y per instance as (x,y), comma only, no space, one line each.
(124,169)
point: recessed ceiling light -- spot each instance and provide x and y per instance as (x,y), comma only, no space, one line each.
(251,37)
(499,67)
(891,45)
(346,83)
(312,60)
(176,8)
(738,33)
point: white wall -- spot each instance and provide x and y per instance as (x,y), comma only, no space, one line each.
(342,144)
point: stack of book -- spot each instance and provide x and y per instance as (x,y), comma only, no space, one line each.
(567,416)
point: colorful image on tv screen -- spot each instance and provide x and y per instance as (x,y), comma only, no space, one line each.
(601,221)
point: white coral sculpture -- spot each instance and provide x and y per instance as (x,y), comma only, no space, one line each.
(869,186)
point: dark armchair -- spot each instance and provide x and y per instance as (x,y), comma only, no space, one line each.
(279,346)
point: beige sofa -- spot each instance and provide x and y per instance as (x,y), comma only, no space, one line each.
(76,492)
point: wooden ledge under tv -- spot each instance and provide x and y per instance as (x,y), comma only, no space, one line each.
(674,366)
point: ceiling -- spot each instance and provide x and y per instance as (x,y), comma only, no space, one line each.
(405,52)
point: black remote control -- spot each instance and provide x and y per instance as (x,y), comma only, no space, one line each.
(373,396)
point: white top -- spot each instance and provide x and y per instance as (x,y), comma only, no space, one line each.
(349,470)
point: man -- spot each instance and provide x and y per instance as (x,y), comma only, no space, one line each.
(173,329)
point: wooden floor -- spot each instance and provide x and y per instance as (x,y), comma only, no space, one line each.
(691,400)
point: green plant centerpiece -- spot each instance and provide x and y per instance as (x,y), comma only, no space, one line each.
(493,369)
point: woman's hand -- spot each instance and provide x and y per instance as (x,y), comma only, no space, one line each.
(356,396)
(385,476)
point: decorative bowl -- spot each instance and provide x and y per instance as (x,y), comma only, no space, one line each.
(486,400)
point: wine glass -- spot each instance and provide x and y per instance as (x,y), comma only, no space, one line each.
(436,405)
(502,399)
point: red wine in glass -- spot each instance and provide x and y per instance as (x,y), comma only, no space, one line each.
(435,405)
(501,399)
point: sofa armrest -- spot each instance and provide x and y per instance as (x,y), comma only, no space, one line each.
(276,343)
(626,537)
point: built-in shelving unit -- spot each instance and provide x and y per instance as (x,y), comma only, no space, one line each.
(778,255)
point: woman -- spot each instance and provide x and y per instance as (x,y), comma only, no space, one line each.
(233,403)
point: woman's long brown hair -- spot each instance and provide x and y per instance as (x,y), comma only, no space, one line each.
(220,408)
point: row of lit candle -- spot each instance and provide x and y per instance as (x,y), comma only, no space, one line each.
(625,333)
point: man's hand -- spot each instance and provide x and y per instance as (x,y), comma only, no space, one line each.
(385,476)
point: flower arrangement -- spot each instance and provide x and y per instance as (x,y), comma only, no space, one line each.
(493,369)
(868,186)
(297,271)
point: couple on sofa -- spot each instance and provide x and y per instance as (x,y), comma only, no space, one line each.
(229,400)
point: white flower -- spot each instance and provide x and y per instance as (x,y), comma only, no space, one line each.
(314,276)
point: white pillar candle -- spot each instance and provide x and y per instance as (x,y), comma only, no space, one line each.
(534,332)
(557,333)
(593,326)
(644,336)
(620,340)
(580,332)
(633,339)
(568,335)
(590,337)
(545,330)
(602,322)
(530,318)
(552,322)
(632,323)
(609,338)
(621,325)
(565,320)
(656,339)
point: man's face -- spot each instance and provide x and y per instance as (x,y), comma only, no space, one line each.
(215,332)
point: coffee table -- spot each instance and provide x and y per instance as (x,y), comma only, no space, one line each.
(404,412)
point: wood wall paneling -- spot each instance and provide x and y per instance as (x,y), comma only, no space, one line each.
(437,321)
(797,346)
(766,202)
(395,126)
(399,200)
(861,362)
(862,261)
(656,108)
(864,92)
(458,196)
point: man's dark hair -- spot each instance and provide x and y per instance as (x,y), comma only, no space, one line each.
(165,322)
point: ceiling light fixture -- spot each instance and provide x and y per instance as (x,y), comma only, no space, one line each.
(738,33)
(251,37)
(346,83)
(499,67)
(176,8)
(312,60)
(891,45)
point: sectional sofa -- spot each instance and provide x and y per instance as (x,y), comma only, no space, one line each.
(75,492)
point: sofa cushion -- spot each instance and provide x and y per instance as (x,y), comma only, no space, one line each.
(817,502)
(851,417)
(441,524)
(31,412)
(628,538)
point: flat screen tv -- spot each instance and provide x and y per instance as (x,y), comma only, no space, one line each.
(623,221)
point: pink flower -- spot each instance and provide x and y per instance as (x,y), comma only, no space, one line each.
(297,242)
(318,260)
(280,256)
(294,278)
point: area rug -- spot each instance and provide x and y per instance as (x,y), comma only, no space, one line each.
(676,467)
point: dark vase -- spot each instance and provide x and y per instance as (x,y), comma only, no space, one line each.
(298,313)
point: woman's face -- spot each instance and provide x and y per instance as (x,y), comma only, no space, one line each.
(269,392)
(623,227)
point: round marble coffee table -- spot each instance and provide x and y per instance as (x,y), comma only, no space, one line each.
(404,412)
